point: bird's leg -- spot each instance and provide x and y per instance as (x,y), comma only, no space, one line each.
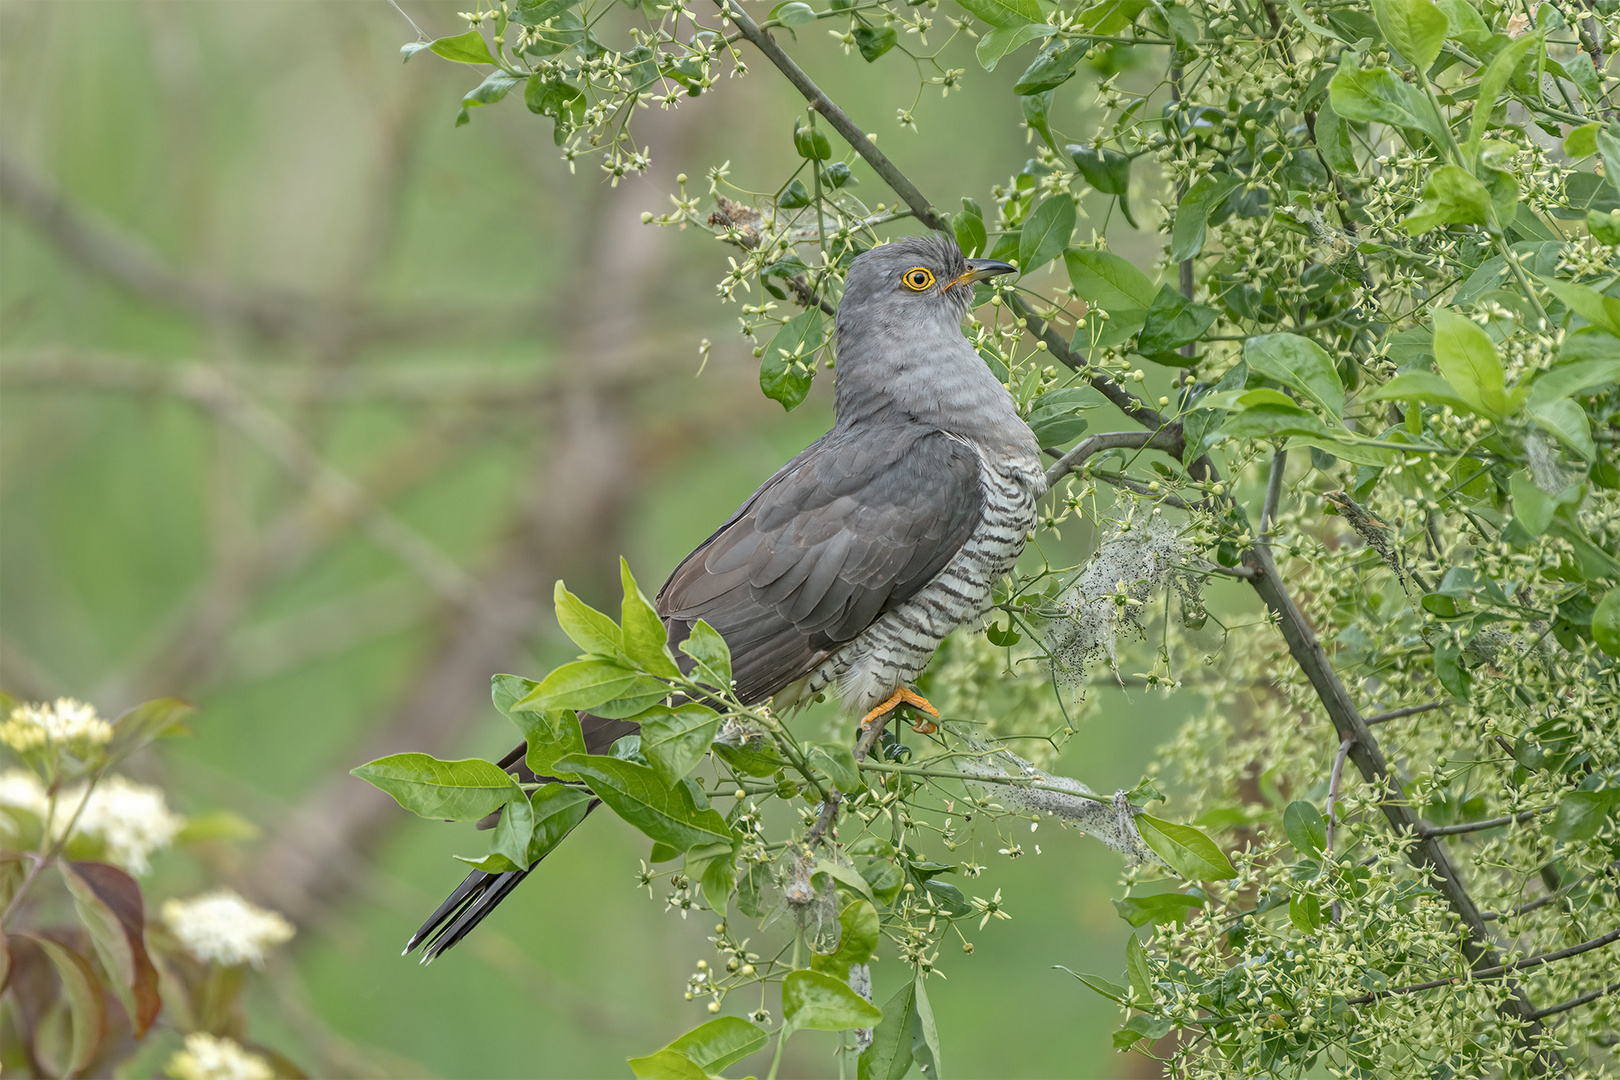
(904,696)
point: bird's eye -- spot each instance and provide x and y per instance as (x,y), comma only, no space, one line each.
(918,278)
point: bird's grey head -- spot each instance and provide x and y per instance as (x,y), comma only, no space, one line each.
(916,285)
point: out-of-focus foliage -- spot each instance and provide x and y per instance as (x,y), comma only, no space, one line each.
(85,971)
(1388,306)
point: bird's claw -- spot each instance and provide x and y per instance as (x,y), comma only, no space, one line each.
(904,696)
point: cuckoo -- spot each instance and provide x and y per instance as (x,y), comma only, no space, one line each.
(847,568)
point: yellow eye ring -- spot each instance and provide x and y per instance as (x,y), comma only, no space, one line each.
(917,278)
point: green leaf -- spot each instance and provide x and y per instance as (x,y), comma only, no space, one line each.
(1002,40)
(720,1043)
(667,1065)
(853,880)
(514,829)
(969,228)
(787,365)
(588,628)
(1451,197)
(1268,420)
(1492,81)
(837,763)
(1606,623)
(1605,228)
(810,142)
(1599,310)
(161,718)
(1449,669)
(1305,912)
(82,993)
(558,808)
(535,12)
(1003,12)
(889,1056)
(1108,171)
(705,645)
(492,89)
(1533,508)
(110,908)
(924,1032)
(1306,829)
(1105,280)
(602,687)
(676,741)
(1466,24)
(1141,1027)
(1582,141)
(857,940)
(443,790)
(1567,422)
(645,639)
(1187,850)
(468,48)
(1378,95)
(811,999)
(873,42)
(1419,386)
(1468,360)
(1414,28)
(1156,907)
(1582,813)
(1137,970)
(1052,67)
(550,737)
(1192,214)
(1045,233)
(1333,138)
(665,812)
(1300,363)
(1172,321)
(793,13)
(1111,990)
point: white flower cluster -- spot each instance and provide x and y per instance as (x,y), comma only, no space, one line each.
(210,1057)
(65,723)
(221,927)
(131,819)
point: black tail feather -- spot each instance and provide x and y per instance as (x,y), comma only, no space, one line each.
(464,909)
(480,893)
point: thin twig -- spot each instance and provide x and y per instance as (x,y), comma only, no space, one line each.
(1495,972)
(829,808)
(1575,1003)
(862,144)
(1410,710)
(1268,512)
(1130,483)
(1479,826)
(1333,797)
(1539,902)
(1108,440)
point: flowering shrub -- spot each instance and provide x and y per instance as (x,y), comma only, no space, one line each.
(1383,332)
(74,835)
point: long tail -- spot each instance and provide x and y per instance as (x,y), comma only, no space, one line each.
(480,893)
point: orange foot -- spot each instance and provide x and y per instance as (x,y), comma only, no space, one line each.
(904,696)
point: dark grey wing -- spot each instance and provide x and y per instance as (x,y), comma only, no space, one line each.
(852,527)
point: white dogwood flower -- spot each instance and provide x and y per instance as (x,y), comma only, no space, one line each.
(132,819)
(65,722)
(223,928)
(210,1057)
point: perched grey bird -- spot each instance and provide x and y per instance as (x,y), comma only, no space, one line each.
(849,566)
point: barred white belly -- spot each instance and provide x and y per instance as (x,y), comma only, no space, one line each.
(897,647)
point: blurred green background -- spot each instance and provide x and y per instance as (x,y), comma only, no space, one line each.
(308,399)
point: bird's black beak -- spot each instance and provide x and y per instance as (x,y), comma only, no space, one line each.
(980,269)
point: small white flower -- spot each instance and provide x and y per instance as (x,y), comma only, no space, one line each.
(209,1057)
(222,927)
(131,819)
(22,789)
(65,723)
